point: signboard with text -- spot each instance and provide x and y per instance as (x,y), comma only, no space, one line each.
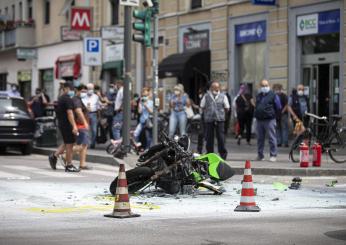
(264,2)
(92,55)
(251,32)
(318,23)
(81,18)
(196,39)
(26,53)
(134,3)
(67,34)
(115,33)
(113,53)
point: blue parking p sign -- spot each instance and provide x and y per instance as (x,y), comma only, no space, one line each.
(92,51)
(93,45)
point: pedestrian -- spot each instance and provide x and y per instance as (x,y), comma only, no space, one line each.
(118,109)
(145,109)
(38,103)
(229,112)
(109,111)
(92,103)
(81,117)
(281,117)
(13,92)
(298,104)
(200,137)
(68,128)
(177,104)
(215,105)
(245,105)
(267,105)
(134,107)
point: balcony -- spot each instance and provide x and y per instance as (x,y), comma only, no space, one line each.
(16,35)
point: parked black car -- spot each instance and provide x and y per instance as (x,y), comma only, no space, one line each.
(16,125)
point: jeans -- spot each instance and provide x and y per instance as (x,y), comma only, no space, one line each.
(264,126)
(210,128)
(174,119)
(282,130)
(93,128)
(148,134)
(117,125)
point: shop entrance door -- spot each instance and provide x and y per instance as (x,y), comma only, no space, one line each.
(323,87)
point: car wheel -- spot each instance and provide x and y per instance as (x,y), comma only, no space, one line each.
(26,149)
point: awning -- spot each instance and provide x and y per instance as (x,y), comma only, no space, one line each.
(116,66)
(185,64)
(68,66)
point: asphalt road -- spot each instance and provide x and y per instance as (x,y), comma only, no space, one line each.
(42,206)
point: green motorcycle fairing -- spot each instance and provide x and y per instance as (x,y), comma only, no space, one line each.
(213,163)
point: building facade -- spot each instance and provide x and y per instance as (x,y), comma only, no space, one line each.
(292,42)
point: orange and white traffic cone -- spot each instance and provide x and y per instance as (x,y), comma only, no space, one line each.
(122,201)
(247,199)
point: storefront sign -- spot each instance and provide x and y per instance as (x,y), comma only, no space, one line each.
(69,35)
(24,75)
(115,33)
(264,2)
(26,53)
(66,69)
(134,3)
(81,18)
(113,53)
(196,39)
(251,32)
(319,23)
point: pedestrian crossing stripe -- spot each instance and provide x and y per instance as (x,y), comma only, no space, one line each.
(6,175)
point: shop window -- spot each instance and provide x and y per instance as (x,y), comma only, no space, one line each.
(252,63)
(46,12)
(29,9)
(196,4)
(46,82)
(114,12)
(318,44)
(3,81)
(20,11)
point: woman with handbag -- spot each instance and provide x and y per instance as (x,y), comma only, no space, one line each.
(178,104)
(145,109)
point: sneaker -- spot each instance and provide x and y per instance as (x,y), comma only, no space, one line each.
(259,158)
(272,159)
(52,161)
(71,168)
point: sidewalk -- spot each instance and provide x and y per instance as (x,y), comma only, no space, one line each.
(236,159)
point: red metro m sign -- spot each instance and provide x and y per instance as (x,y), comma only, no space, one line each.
(81,18)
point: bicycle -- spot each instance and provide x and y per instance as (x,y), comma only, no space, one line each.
(326,132)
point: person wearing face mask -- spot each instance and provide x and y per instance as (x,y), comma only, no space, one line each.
(281,117)
(109,112)
(177,105)
(13,92)
(215,105)
(298,104)
(267,106)
(81,117)
(118,110)
(145,109)
(92,103)
(68,128)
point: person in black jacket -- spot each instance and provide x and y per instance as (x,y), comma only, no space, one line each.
(298,104)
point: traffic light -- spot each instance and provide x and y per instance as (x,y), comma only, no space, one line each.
(156,7)
(142,25)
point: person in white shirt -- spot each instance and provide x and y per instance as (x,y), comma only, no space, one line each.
(118,110)
(13,92)
(215,105)
(92,102)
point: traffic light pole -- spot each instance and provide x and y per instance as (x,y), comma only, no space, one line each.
(155,78)
(127,79)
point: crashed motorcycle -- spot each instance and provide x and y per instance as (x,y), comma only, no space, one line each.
(171,166)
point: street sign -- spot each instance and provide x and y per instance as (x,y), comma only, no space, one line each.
(26,53)
(81,18)
(67,34)
(92,51)
(113,53)
(264,2)
(134,3)
(115,33)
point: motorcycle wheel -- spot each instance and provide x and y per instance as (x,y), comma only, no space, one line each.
(136,179)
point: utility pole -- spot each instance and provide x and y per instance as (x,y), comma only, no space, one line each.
(127,79)
(156,76)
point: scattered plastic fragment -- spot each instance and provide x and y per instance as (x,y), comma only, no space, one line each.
(279,186)
(332,183)
(275,199)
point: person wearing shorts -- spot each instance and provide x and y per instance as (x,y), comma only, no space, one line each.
(68,128)
(81,115)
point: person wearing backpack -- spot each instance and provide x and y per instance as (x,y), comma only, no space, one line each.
(267,106)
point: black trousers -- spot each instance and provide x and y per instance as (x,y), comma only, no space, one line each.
(245,122)
(200,139)
(218,127)
(110,126)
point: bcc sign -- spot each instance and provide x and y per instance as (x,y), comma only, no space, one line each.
(81,18)
(92,51)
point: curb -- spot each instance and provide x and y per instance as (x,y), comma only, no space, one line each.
(93,158)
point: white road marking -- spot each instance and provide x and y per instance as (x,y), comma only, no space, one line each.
(6,175)
(50,173)
(100,172)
